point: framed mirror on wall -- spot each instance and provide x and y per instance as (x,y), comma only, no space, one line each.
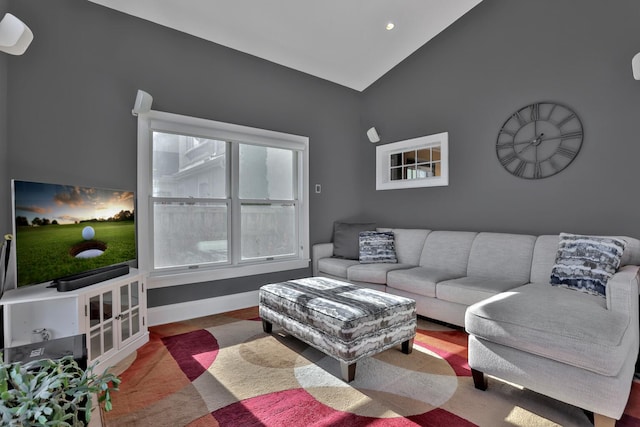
(417,162)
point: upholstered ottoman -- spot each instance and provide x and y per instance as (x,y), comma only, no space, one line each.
(345,321)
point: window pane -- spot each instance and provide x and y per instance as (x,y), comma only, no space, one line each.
(396,174)
(134,294)
(425,170)
(107,305)
(266,173)
(124,326)
(135,321)
(108,336)
(424,155)
(186,166)
(268,230)
(96,345)
(189,234)
(124,297)
(94,310)
(409,157)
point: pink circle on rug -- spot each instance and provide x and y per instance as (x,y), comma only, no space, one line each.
(193,351)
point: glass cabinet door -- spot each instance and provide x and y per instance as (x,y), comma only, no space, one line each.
(114,317)
(101,331)
(135,309)
(129,310)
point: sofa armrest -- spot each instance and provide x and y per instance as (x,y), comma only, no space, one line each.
(319,251)
(623,289)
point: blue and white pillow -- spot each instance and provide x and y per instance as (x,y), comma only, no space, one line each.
(377,247)
(586,263)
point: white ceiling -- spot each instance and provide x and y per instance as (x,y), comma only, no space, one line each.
(343,41)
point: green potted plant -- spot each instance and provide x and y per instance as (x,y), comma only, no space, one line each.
(51,392)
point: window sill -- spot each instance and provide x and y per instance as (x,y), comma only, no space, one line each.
(173,278)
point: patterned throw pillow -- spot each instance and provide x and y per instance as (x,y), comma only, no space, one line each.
(377,247)
(586,263)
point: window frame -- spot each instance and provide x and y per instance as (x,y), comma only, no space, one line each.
(384,164)
(178,124)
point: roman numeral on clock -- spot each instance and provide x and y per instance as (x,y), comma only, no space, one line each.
(566,120)
(571,135)
(508,158)
(537,171)
(567,152)
(519,170)
(520,119)
(535,112)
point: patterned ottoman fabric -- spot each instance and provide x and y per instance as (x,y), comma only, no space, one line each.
(345,321)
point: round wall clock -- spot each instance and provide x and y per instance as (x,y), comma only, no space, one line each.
(539,140)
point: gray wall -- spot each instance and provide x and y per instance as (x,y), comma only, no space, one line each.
(5,194)
(499,57)
(72,92)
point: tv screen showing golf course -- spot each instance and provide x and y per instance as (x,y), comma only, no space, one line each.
(62,230)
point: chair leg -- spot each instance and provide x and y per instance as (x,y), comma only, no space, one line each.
(603,421)
(479,379)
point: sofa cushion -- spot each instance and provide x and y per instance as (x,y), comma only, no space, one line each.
(544,257)
(335,266)
(418,280)
(377,246)
(571,327)
(501,256)
(346,238)
(448,250)
(373,273)
(469,290)
(586,263)
(409,243)
(631,255)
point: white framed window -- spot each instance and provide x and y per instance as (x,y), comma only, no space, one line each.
(219,200)
(417,162)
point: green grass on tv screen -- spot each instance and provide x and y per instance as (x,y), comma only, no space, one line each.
(45,253)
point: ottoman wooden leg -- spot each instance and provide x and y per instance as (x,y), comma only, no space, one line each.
(479,379)
(348,371)
(267,326)
(407,346)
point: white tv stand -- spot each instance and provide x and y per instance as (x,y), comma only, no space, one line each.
(112,314)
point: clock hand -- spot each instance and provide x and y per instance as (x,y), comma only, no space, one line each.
(563,136)
(526,147)
(522,142)
(535,141)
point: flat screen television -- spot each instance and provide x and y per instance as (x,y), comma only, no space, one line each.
(66,230)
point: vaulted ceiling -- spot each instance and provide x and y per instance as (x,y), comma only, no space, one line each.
(343,41)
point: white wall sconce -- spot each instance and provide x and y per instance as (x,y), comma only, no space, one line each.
(15,36)
(635,65)
(142,104)
(373,135)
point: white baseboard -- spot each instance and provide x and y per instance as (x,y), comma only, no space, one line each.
(192,309)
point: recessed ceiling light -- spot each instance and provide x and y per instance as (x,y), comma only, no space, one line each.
(390,26)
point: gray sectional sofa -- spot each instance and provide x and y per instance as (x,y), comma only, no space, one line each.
(444,271)
(572,346)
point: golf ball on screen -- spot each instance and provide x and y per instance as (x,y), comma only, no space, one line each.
(88,233)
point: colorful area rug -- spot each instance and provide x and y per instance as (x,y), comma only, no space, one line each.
(223,370)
